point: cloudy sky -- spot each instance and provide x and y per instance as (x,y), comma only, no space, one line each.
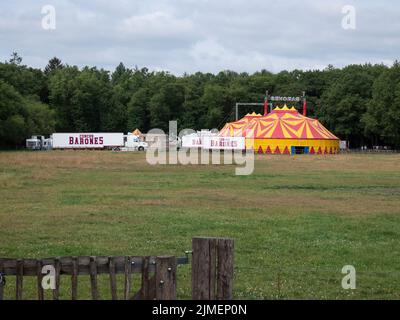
(202,35)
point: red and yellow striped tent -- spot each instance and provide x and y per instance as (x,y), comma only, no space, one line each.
(284,131)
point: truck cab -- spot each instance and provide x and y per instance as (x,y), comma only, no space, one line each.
(133,143)
(38,143)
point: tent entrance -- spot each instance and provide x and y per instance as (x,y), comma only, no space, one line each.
(300,150)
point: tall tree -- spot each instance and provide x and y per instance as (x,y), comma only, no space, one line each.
(15,58)
(344,103)
(62,86)
(21,116)
(53,65)
(137,111)
(382,119)
(12,116)
(213,100)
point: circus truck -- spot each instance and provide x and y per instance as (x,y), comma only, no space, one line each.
(116,141)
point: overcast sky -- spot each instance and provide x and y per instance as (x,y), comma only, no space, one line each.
(202,35)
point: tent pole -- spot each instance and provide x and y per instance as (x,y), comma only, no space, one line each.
(237,111)
(266,103)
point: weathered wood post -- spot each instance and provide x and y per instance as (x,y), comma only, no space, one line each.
(2,280)
(19,279)
(165,278)
(2,283)
(212,268)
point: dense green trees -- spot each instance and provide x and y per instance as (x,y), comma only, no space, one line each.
(382,120)
(345,100)
(21,116)
(360,103)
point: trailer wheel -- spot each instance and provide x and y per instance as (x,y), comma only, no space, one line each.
(116,149)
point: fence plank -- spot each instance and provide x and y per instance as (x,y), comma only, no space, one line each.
(93,278)
(57,267)
(165,278)
(113,279)
(74,278)
(19,279)
(213,245)
(201,269)
(145,279)
(2,280)
(128,278)
(39,280)
(225,269)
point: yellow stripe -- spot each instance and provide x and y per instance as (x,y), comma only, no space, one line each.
(308,131)
(286,134)
(298,132)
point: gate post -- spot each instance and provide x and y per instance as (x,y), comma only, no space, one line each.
(2,284)
(165,278)
(2,279)
(212,268)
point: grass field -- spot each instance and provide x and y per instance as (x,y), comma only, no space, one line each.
(296,221)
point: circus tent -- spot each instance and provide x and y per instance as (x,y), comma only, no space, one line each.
(283,131)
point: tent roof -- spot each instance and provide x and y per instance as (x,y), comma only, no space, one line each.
(235,128)
(136,132)
(281,123)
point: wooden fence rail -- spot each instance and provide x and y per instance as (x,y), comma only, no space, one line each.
(212,273)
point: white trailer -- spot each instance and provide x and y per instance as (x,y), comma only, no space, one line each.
(97,140)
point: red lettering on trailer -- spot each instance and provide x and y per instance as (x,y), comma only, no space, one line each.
(85,139)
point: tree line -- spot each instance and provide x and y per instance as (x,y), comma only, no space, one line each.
(358,103)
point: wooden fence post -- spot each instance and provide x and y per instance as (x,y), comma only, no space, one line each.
(39,279)
(2,280)
(225,269)
(19,279)
(1,287)
(165,278)
(212,268)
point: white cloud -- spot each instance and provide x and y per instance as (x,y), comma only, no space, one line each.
(210,55)
(156,24)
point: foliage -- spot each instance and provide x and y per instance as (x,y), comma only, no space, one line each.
(53,65)
(21,117)
(382,119)
(359,103)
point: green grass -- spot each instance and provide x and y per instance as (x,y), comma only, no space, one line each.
(296,220)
